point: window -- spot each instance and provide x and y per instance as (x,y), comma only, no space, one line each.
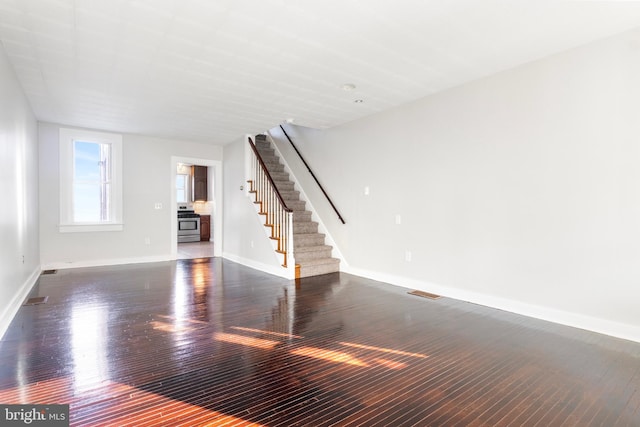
(90,181)
(182,188)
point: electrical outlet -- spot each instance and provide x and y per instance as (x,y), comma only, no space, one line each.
(158,205)
(407,256)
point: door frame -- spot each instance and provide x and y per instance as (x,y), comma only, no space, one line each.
(216,213)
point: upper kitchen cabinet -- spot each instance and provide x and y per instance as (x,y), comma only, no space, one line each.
(199,187)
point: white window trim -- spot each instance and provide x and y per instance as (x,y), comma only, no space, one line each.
(67,139)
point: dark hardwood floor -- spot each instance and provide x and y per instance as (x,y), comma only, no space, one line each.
(210,342)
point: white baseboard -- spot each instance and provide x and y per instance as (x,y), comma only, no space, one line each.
(271,269)
(104,262)
(16,302)
(576,320)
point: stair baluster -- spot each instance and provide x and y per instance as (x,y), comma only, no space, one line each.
(271,204)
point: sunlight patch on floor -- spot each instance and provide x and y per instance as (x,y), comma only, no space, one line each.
(329,355)
(249,341)
(260,331)
(385,350)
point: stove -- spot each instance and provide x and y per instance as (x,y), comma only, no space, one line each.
(188,214)
(188,226)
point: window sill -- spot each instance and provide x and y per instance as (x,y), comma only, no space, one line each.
(83,228)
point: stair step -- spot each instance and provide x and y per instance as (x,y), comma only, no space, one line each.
(301,240)
(307,253)
(305,227)
(269,162)
(296,205)
(290,195)
(285,186)
(290,205)
(274,168)
(320,266)
(281,176)
(301,216)
(268,156)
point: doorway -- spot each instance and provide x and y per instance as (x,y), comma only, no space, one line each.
(199,249)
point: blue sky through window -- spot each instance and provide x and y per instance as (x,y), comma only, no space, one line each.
(86,188)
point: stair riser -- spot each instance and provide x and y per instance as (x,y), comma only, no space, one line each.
(275,169)
(281,176)
(266,152)
(316,270)
(285,186)
(270,159)
(305,227)
(302,240)
(274,166)
(301,216)
(290,195)
(306,256)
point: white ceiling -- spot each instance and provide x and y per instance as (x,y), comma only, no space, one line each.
(213,70)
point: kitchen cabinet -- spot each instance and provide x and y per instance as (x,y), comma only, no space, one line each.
(205,228)
(199,187)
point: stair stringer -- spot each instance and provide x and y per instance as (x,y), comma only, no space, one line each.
(335,250)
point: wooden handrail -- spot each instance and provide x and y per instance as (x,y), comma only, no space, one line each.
(313,175)
(273,184)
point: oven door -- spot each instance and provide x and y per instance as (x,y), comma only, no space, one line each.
(188,230)
(187,226)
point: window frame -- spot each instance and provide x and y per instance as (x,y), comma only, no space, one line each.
(68,137)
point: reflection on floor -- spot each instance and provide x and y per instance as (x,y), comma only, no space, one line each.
(195,250)
(210,342)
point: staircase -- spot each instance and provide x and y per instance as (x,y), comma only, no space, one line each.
(309,249)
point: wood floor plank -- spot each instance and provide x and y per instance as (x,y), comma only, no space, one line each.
(210,342)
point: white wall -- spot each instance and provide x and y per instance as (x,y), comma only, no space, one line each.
(245,240)
(519,191)
(148,178)
(19,244)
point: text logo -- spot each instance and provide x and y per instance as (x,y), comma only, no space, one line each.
(34,415)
